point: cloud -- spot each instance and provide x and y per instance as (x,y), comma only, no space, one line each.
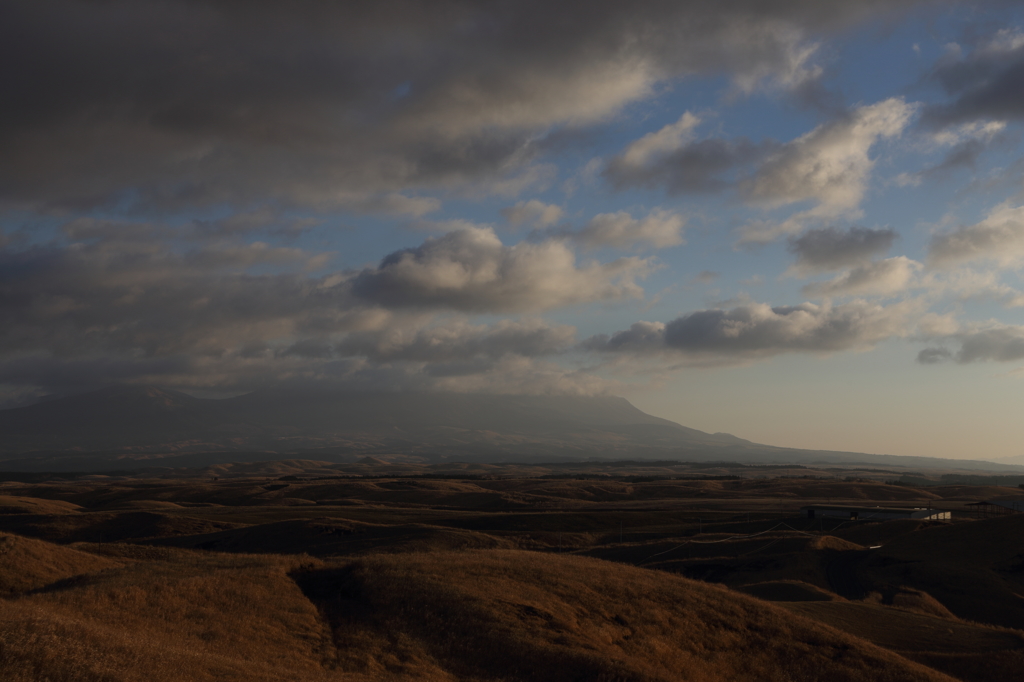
(111,309)
(829,165)
(933,356)
(988,83)
(1004,343)
(830,248)
(967,141)
(459,340)
(395,203)
(145,299)
(519,375)
(706,276)
(510,373)
(888,276)
(533,212)
(999,237)
(757,330)
(470,270)
(699,167)
(660,143)
(620,230)
(956,135)
(170,104)
(793,68)
(120,301)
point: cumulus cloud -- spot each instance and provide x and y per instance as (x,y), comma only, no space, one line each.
(533,212)
(172,103)
(999,237)
(758,330)
(620,230)
(831,248)
(888,276)
(471,270)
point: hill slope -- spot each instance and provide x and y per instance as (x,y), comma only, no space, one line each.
(474,615)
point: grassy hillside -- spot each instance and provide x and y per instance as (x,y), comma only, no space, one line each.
(631,578)
(481,615)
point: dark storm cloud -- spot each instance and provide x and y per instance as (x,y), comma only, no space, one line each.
(988,83)
(831,248)
(324,104)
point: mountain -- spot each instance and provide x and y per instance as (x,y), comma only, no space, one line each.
(142,418)
(134,425)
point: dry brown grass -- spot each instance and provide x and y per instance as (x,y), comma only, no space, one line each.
(110,526)
(186,617)
(28,564)
(16,504)
(518,615)
(787,591)
(475,615)
(423,579)
(782,555)
(969,651)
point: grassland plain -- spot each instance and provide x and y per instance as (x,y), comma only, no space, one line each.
(499,576)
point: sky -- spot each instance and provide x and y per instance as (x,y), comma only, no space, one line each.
(798,221)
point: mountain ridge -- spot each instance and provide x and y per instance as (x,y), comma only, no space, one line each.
(134,424)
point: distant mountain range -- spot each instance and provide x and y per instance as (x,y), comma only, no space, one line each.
(132,426)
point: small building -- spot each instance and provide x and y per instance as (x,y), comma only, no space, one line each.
(873,513)
(1001,507)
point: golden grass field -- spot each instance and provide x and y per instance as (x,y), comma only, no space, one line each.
(249,577)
